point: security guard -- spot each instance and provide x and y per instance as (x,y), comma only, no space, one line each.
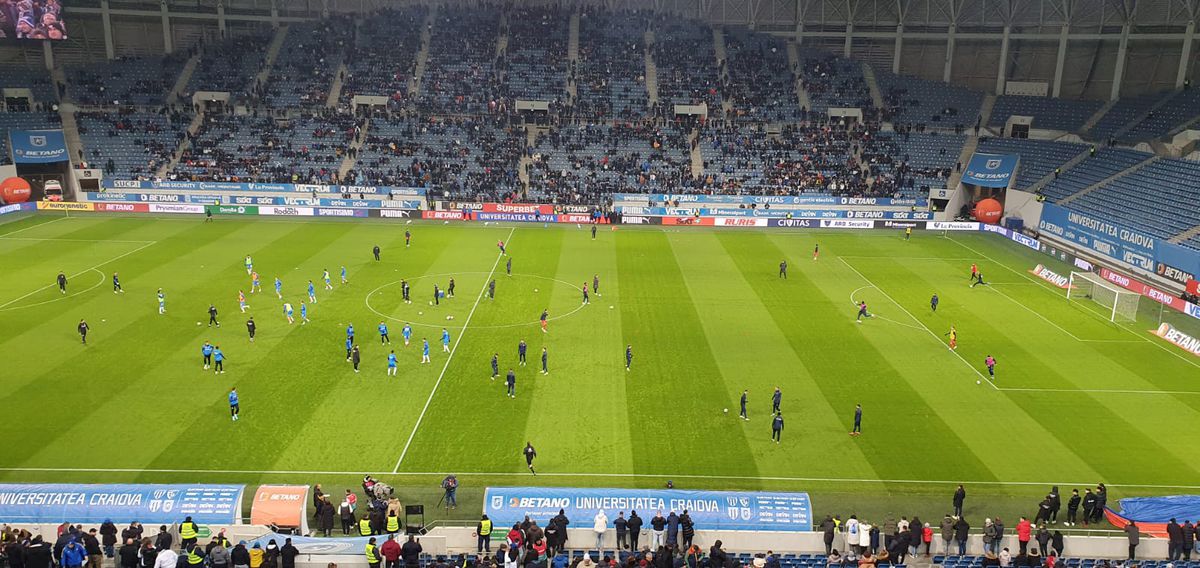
(364,526)
(393,523)
(484,530)
(195,556)
(372,554)
(187,534)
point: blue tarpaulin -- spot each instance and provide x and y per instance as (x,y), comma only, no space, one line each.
(1161,509)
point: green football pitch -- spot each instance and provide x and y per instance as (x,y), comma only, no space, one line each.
(1076,399)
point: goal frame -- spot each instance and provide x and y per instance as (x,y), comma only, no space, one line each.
(1094,281)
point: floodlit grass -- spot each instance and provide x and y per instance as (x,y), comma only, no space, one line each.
(1076,399)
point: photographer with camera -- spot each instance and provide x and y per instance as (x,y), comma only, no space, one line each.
(450,486)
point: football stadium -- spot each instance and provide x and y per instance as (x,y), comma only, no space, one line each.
(683,283)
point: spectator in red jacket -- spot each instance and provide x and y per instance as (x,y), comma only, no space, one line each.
(1024,532)
(391,552)
(927,537)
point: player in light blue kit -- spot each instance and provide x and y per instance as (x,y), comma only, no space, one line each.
(445,340)
(392,364)
(344,281)
(162,302)
(279,287)
(406,331)
(350,332)
(303,313)
(287,312)
(383,333)
(424,351)
(328,284)
(234,407)
(312,292)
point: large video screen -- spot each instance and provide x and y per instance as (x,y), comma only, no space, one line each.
(32,19)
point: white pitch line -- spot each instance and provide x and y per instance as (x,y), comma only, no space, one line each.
(1043,286)
(914,318)
(450,358)
(598,475)
(33,226)
(855,302)
(113,259)
(1099,391)
(1034,312)
(8,238)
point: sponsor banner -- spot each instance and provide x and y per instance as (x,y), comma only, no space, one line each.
(1193,287)
(1051,276)
(640,220)
(1178,338)
(125,207)
(951,226)
(688,220)
(152,504)
(899,225)
(65,206)
(1108,239)
(235,199)
(37,146)
(776,213)
(576,218)
(234,209)
(252,187)
(470,205)
(768,199)
(320,546)
(739,222)
(846,224)
(517,217)
(523,208)
(289,211)
(281,506)
(175,208)
(1171,273)
(1149,291)
(716,510)
(453,215)
(794,223)
(15,207)
(990,170)
(397,213)
(1012,235)
(327,212)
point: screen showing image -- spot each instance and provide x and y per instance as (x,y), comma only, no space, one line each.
(32,19)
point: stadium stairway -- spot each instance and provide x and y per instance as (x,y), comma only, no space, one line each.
(651,70)
(184,144)
(1046,179)
(572,56)
(695,155)
(985,110)
(1068,199)
(964,157)
(1133,123)
(1100,112)
(422,58)
(720,54)
(872,85)
(1186,235)
(66,111)
(794,62)
(185,77)
(335,90)
(272,54)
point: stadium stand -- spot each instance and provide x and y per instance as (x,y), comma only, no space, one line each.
(1179,108)
(34,78)
(833,81)
(1159,198)
(760,83)
(1107,162)
(1048,113)
(311,53)
(611,76)
(687,65)
(229,147)
(460,76)
(17,120)
(130,144)
(535,60)
(582,163)
(230,66)
(918,101)
(382,57)
(1124,112)
(920,160)
(125,81)
(1039,158)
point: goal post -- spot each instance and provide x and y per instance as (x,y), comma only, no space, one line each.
(1119,305)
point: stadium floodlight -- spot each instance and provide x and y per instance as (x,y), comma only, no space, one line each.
(1119,305)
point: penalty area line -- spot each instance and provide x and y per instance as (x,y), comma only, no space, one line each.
(453,350)
(914,318)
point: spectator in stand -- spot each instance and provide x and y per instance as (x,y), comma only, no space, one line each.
(622,527)
(600,526)
(108,537)
(163,540)
(411,552)
(391,551)
(673,531)
(635,530)
(128,555)
(166,558)
(92,545)
(218,555)
(325,516)
(687,527)
(271,555)
(1134,536)
(288,554)
(658,526)
(73,555)
(1024,533)
(961,532)
(239,557)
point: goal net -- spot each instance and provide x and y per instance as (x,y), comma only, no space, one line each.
(1119,305)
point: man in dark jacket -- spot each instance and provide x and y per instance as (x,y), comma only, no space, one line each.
(1089,507)
(635,530)
(325,516)
(960,495)
(717,556)
(622,527)
(1135,538)
(108,537)
(1174,540)
(688,529)
(1073,507)
(1055,505)
(92,545)
(1043,513)
(128,554)
(411,552)
(163,540)
(560,535)
(1101,502)
(658,527)
(38,554)
(673,531)
(288,554)
(1189,539)
(961,530)
(15,554)
(827,528)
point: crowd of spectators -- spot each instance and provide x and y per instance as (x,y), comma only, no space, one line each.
(460,74)
(230,66)
(534,63)
(130,143)
(250,148)
(383,56)
(759,82)
(687,66)
(610,76)
(310,55)
(833,81)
